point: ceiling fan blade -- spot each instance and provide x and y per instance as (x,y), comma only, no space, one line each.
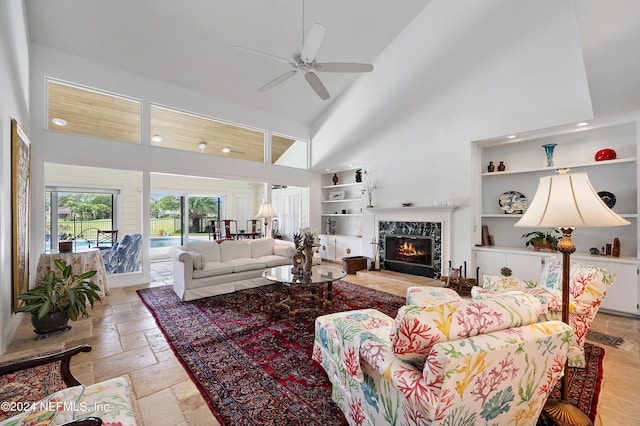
(268,55)
(342,67)
(273,83)
(317,85)
(313,42)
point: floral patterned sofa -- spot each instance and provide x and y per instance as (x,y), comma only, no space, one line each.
(106,403)
(588,286)
(444,362)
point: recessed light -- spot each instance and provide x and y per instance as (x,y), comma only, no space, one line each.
(225,149)
(327,170)
(583,123)
(512,136)
(59,121)
(202,146)
(156,138)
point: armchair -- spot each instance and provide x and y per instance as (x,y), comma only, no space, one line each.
(588,286)
(124,256)
(76,405)
(453,361)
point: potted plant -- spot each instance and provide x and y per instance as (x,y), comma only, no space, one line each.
(58,298)
(65,242)
(542,240)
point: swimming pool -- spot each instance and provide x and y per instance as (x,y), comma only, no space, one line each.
(155,242)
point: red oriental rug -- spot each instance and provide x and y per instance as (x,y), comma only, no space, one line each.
(254,367)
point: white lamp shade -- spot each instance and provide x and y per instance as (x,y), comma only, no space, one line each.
(568,201)
(266,211)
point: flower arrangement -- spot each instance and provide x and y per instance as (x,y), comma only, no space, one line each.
(368,186)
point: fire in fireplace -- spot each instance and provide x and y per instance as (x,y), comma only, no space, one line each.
(409,253)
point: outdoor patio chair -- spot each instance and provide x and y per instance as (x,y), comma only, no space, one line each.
(105,239)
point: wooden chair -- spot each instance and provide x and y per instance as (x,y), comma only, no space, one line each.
(71,402)
(229,231)
(105,239)
(252,228)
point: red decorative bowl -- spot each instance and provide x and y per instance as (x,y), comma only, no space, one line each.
(605,154)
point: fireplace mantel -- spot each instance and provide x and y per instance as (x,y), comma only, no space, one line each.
(373,216)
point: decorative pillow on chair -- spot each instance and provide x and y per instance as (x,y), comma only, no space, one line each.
(418,328)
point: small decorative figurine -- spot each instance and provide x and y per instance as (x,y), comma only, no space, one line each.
(359,175)
(335,178)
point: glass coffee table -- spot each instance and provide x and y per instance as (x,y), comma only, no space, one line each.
(313,286)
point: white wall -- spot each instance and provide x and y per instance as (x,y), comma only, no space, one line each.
(14,103)
(462,70)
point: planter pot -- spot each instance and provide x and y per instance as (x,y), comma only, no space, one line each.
(65,246)
(542,246)
(49,323)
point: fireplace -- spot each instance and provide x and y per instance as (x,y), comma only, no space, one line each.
(412,254)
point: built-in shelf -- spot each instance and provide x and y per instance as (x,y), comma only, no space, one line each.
(342,185)
(563,166)
(350,200)
(525,162)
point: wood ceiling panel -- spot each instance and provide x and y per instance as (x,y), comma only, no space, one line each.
(91,113)
(186,131)
(279,145)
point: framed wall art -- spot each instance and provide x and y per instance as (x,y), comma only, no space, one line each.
(20,196)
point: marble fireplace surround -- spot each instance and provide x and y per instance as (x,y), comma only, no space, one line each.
(433,222)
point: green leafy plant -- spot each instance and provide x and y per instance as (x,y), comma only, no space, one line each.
(65,236)
(63,292)
(538,239)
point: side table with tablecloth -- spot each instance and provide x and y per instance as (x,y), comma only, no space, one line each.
(80,261)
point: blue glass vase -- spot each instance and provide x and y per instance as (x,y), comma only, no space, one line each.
(548,149)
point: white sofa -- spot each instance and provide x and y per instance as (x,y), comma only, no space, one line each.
(207,268)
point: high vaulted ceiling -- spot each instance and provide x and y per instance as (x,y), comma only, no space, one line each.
(191,44)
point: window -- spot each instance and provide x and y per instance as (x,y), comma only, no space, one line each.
(291,204)
(289,152)
(78,213)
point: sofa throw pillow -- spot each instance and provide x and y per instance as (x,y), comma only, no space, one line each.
(198,262)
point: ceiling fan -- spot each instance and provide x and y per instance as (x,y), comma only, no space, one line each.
(306,63)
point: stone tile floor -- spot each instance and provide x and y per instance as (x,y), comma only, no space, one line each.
(127,342)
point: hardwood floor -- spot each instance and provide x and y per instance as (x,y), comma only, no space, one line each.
(127,342)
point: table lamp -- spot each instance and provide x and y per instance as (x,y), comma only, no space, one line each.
(567,201)
(266,211)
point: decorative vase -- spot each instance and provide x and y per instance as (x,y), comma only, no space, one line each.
(335,178)
(501,166)
(548,149)
(370,195)
(359,175)
(491,167)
